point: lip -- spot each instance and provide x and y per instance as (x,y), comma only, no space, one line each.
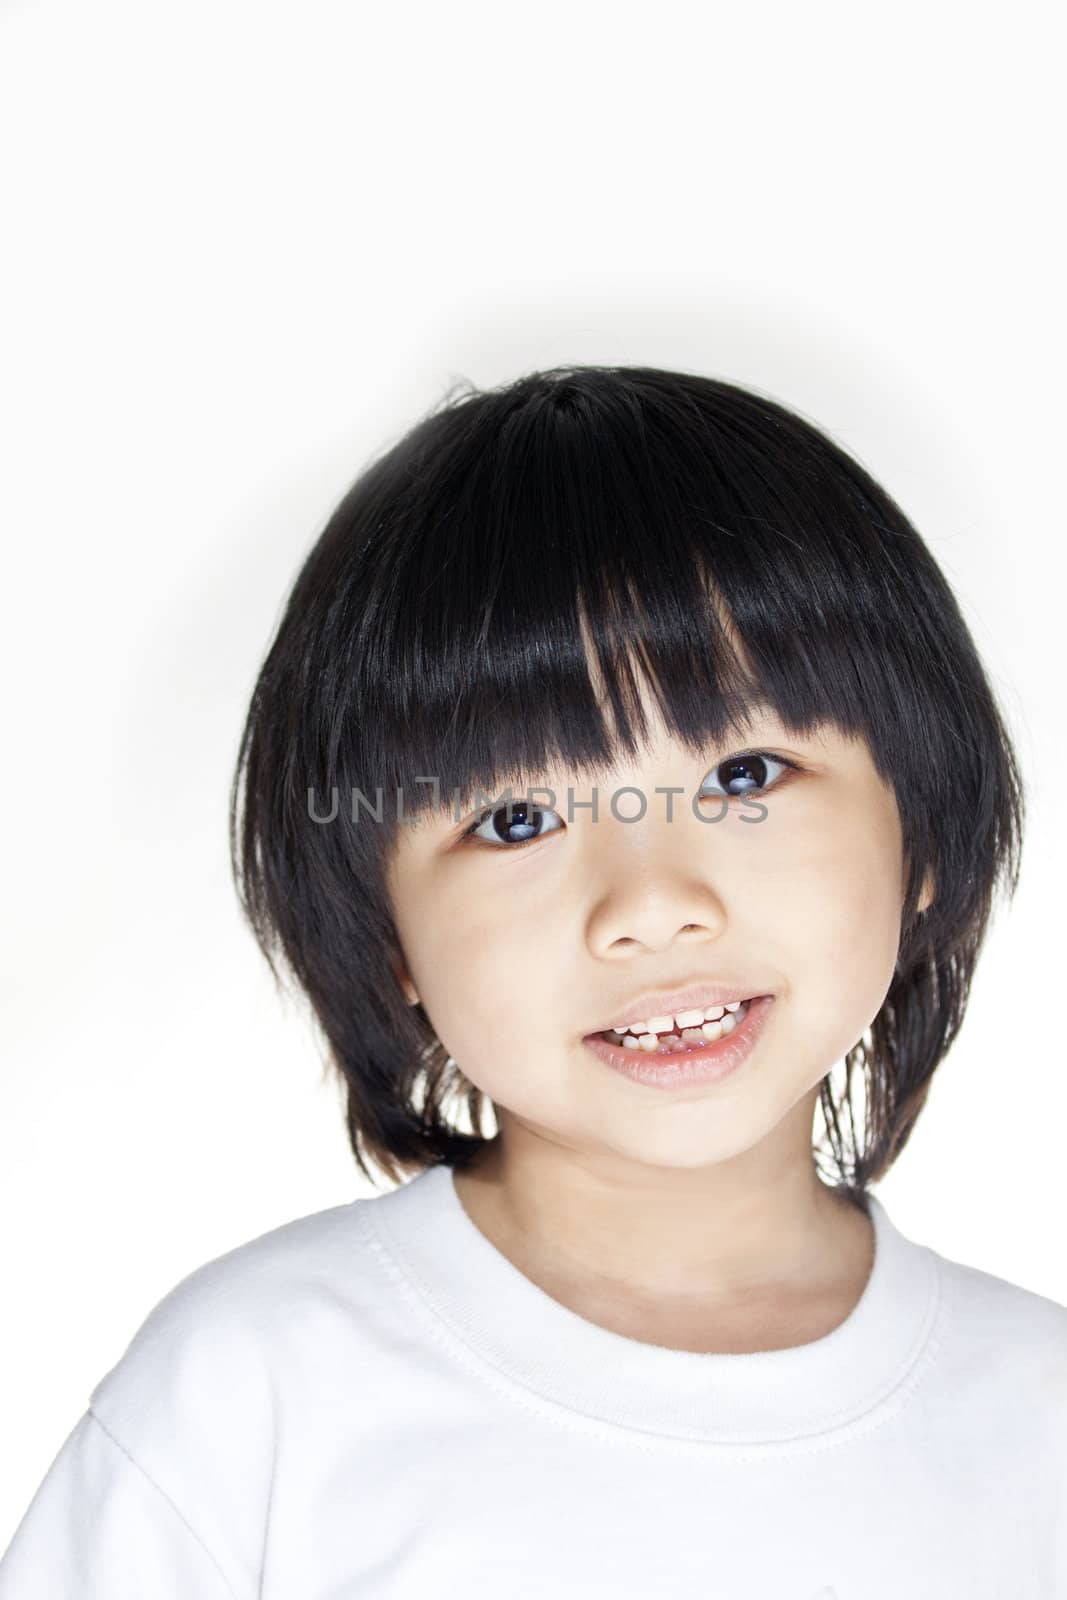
(678,1069)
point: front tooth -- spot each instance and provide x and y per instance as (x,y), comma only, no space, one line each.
(689,1019)
(684,1019)
(648,1041)
(712,1030)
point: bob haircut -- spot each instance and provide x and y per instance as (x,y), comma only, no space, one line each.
(438,628)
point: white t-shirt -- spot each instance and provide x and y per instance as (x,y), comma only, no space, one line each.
(372,1401)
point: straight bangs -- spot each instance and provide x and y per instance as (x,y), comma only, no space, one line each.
(513,565)
(587,543)
(479,613)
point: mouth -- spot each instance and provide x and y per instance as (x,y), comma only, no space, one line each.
(673,1060)
(682,1032)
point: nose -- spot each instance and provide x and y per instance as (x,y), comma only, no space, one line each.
(655,896)
(653,918)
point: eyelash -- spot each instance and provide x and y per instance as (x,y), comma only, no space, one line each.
(740,755)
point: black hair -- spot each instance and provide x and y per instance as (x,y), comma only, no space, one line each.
(438,627)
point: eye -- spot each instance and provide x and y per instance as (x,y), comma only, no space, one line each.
(750,770)
(514,824)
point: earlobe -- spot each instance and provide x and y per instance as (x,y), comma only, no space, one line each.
(926,897)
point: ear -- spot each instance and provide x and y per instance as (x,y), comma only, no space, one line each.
(926,897)
(403,978)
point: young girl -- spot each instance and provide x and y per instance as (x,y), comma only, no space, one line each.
(621,768)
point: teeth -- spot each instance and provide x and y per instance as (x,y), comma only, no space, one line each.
(684,1019)
(687,1028)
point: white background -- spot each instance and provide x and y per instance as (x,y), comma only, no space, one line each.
(245,246)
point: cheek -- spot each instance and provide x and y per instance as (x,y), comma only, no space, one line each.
(493,980)
(840,914)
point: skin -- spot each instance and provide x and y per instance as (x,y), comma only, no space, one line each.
(689,1218)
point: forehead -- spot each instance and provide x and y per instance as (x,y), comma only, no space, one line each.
(750,709)
(635,678)
(758,723)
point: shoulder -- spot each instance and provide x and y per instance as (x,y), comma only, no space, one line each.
(1001,1307)
(182,1438)
(210,1360)
(208,1386)
(997,1328)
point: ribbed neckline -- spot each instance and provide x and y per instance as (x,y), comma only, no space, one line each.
(770,1396)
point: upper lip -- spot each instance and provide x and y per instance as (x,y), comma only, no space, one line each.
(668,1002)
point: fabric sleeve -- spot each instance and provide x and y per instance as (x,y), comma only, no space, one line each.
(99,1528)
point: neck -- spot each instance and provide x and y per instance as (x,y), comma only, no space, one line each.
(758,1230)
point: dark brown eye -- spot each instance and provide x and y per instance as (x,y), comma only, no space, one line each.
(752,771)
(516,823)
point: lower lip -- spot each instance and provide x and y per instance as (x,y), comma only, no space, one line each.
(678,1069)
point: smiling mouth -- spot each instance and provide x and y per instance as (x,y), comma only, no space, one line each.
(670,1061)
(687,1033)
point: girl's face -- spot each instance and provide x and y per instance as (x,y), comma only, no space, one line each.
(518,950)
